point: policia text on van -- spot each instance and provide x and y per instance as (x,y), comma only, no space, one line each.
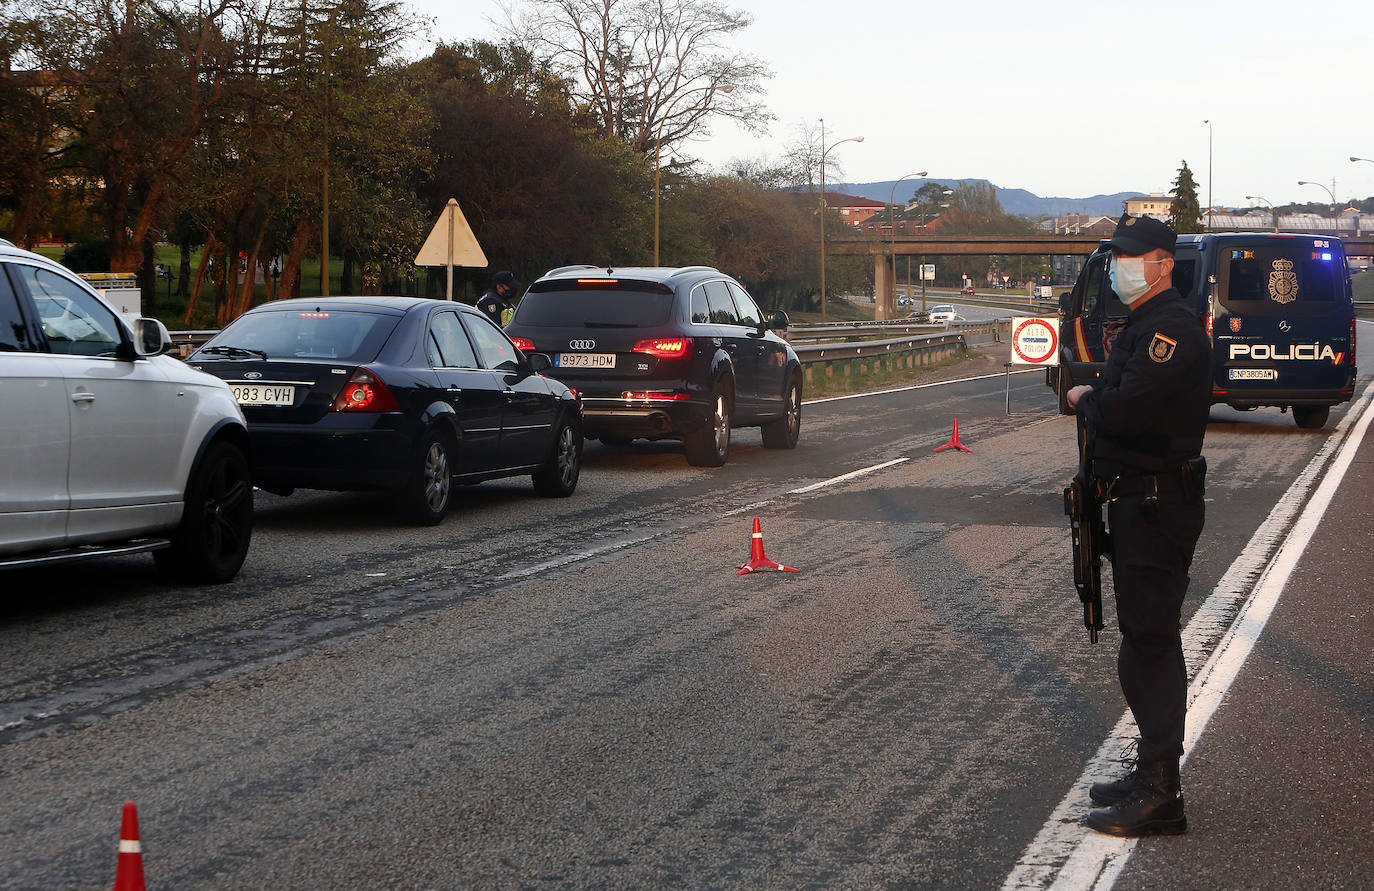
(1278,308)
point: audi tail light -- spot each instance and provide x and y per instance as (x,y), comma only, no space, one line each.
(653,396)
(665,347)
(523,344)
(365,391)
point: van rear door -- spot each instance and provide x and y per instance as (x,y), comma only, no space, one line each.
(1283,328)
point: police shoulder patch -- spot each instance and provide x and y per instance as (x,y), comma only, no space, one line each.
(1162,348)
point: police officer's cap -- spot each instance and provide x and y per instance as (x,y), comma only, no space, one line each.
(1140,235)
(504,277)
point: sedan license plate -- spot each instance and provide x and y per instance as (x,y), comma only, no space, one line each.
(1254,374)
(584,360)
(259,394)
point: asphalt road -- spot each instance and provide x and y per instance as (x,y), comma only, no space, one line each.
(581,692)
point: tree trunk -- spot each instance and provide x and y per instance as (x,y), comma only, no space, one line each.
(211,245)
(184,272)
(291,269)
(147,280)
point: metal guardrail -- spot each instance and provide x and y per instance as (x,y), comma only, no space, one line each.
(185,342)
(828,352)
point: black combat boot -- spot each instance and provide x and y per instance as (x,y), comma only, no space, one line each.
(1106,794)
(1153,807)
(1109,793)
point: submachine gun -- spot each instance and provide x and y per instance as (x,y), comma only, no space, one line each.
(1083,506)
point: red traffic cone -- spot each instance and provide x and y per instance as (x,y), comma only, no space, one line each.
(757,559)
(129,873)
(954,442)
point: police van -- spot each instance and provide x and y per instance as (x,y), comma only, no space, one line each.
(1278,308)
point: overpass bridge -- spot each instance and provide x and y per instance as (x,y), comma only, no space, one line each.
(885,251)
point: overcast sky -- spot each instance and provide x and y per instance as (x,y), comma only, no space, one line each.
(1063,99)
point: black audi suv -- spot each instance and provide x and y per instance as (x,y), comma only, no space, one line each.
(657,353)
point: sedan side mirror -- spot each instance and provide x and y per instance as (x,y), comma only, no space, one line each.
(777,320)
(539,362)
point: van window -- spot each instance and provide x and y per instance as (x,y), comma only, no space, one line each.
(1185,272)
(1280,277)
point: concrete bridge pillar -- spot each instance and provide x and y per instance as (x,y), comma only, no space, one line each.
(883,287)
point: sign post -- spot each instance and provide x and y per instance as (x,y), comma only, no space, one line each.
(451,243)
(1034,341)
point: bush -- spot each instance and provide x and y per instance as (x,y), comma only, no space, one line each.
(88,256)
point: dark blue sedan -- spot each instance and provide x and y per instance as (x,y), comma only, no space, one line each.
(399,394)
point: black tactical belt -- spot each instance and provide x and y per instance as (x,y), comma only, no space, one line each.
(1186,480)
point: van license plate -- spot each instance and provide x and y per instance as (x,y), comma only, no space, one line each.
(584,360)
(256,394)
(1254,374)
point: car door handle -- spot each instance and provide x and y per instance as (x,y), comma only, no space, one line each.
(83,397)
(455,389)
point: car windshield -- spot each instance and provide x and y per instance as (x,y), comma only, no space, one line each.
(942,309)
(593,308)
(346,336)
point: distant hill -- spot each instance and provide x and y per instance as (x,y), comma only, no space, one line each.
(1017,201)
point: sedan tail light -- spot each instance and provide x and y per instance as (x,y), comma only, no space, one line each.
(365,391)
(665,347)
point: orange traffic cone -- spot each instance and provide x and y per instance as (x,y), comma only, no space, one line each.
(954,442)
(757,559)
(129,873)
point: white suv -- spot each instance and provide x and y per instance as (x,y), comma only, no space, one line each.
(107,445)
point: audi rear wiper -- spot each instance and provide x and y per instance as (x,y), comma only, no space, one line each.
(235,352)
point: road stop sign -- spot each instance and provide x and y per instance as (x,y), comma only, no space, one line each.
(1035,341)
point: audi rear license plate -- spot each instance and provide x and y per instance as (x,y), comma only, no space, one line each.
(584,360)
(1254,374)
(263,394)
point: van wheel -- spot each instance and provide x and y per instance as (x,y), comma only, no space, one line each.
(709,445)
(1311,417)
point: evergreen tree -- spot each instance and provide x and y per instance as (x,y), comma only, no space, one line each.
(1184,213)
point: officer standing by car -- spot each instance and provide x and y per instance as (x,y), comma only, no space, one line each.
(496,303)
(1146,421)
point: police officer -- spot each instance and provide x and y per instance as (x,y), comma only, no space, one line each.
(496,302)
(1146,420)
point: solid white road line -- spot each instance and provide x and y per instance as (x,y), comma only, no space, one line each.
(1067,855)
(961,380)
(846,476)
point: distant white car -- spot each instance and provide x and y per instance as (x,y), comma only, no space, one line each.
(109,446)
(942,313)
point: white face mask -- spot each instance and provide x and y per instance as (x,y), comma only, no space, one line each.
(1127,275)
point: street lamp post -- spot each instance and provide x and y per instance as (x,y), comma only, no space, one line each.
(1272,211)
(1208,122)
(824,153)
(892,227)
(921,261)
(1335,222)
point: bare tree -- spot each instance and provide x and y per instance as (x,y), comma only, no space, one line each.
(654,72)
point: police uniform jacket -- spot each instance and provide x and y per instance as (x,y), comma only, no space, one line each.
(493,304)
(1149,412)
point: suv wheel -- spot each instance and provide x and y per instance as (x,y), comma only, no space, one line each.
(217,520)
(1311,417)
(558,478)
(709,445)
(424,499)
(784,432)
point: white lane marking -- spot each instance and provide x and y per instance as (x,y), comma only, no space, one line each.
(1065,854)
(962,380)
(846,476)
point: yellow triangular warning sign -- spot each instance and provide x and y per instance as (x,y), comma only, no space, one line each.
(451,242)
